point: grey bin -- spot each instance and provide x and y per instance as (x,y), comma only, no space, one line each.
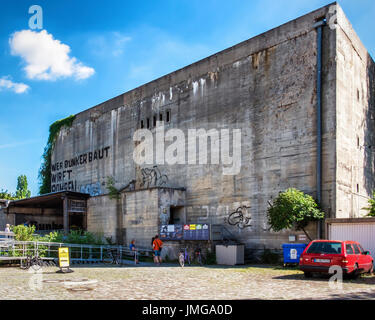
(230,254)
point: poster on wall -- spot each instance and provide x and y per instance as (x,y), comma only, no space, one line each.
(196,232)
(171,232)
(185,232)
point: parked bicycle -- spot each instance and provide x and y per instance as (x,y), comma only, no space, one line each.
(32,261)
(183,256)
(113,255)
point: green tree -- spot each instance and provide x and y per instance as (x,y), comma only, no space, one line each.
(293,209)
(371,207)
(5,195)
(22,191)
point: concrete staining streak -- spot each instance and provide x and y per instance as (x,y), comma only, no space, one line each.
(196,84)
(195,87)
(202,83)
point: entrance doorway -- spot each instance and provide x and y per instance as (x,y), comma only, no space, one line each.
(177,215)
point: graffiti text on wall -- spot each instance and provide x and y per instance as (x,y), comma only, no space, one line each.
(62,175)
(241,217)
(93,189)
(153,178)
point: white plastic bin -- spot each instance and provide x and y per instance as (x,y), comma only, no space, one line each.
(231,254)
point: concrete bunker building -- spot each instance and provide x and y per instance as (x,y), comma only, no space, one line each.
(303,95)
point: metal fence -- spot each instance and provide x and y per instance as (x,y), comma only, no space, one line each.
(79,253)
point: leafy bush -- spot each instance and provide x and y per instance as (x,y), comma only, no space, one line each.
(23,233)
(210,258)
(269,257)
(113,192)
(53,237)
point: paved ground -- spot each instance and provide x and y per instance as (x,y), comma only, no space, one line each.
(172,282)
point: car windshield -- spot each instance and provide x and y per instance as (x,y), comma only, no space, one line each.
(325,248)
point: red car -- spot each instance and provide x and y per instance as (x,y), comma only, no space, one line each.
(320,255)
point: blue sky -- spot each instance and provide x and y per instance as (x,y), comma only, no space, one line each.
(107,48)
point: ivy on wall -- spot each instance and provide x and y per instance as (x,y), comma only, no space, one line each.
(45,169)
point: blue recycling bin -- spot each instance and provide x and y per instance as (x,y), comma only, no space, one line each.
(292,252)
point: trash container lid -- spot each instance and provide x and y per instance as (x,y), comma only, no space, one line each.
(286,245)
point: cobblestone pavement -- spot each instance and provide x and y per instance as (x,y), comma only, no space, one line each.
(172,282)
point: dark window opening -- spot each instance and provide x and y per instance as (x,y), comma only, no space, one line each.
(357,188)
(357,141)
(142,124)
(148,123)
(154,121)
(168,116)
(161,117)
(357,94)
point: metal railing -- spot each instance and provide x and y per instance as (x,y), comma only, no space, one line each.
(5,235)
(19,250)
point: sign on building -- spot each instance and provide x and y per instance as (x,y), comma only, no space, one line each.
(185,232)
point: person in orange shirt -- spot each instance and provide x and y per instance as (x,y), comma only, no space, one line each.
(157,245)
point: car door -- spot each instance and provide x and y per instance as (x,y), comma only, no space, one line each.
(350,255)
(365,260)
(361,258)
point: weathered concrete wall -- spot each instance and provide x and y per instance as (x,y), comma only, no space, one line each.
(145,210)
(102,216)
(355,122)
(141,217)
(265,86)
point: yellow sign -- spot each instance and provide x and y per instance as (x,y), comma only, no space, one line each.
(64,261)
(192,227)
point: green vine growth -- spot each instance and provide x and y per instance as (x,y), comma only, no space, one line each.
(113,192)
(45,169)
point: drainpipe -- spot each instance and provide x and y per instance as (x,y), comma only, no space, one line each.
(319,26)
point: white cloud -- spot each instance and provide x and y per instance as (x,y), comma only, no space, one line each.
(46,58)
(6,83)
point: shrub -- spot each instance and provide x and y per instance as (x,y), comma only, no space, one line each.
(269,257)
(210,258)
(23,233)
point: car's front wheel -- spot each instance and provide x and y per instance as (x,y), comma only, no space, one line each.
(355,273)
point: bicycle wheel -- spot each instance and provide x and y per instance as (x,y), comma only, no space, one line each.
(25,264)
(36,263)
(181,260)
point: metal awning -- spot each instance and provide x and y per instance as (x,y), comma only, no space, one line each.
(49,200)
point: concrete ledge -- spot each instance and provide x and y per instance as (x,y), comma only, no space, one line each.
(350,220)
